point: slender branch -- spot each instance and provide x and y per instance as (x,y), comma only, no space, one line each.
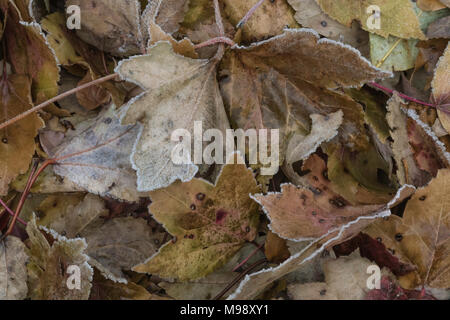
(59,97)
(238,278)
(404,96)
(213,41)
(249,14)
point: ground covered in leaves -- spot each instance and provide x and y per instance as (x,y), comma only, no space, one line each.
(94,207)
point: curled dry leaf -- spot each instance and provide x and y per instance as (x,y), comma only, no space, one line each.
(179,91)
(101,163)
(13,270)
(278,83)
(17,144)
(422,236)
(47,267)
(210,223)
(76,215)
(300,147)
(398,18)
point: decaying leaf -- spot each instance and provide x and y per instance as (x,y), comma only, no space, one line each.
(439,29)
(48,266)
(113,245)
(111,26)
(397,17)
(278,83)
(17,144)
(345,279)
(441,88)
(13,270)
(210,223)
(101,147)
(168,14)
(179,91)
(422,236)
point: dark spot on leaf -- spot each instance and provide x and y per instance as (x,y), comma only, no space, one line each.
(324,23)
(193,207)
(5,140)
(200,196)
(338,202)
(220,216)
(156,241)
(399,237)
(379,240)
(247,229)
(422,198)
(323,292)
(322,221)
(107,120)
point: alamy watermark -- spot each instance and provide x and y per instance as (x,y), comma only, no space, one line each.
(254,143)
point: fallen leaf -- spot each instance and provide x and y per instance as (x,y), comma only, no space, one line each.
(168,14)
(430,5)
(210,223)
(113,27)
(441,88)
(84,217)
(275,248)
(93,97)
(390,290)
(13,270)
(17,144)
(179,91)
(439,29)
(101,147)
(397,17)
(47,267)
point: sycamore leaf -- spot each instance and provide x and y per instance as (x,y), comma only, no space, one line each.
(111,26)
(345,279)
(105,169)
(441,88)
(423,234)
(278,83)
(13,270)
(324,128)
(179,91)
(113,245)
(310,15)
(47,267)
(17,144)
(210,223)
(271,18)
(397,17)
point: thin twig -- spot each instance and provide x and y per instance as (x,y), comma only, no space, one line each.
(57,98)
(238,278)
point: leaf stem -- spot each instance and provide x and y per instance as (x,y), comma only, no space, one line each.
(404,96)
(213,41)
(249,14)
(57,98)
(249,257)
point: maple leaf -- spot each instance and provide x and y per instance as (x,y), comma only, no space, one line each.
(397,17)
(179,91)
(47,274)
(210,223)
(278,83)
(101,147)
(13,271)
(17,144)
(83,216)
(422,235)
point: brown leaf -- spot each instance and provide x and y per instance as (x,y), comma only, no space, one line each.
(92,97)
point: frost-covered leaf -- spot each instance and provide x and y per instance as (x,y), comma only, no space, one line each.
(179,91)
(278,84)
(168,14)
(13,270)
(48,266)
(105,167)
(113,245)
(441,88)
(422,236)
(210,223)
